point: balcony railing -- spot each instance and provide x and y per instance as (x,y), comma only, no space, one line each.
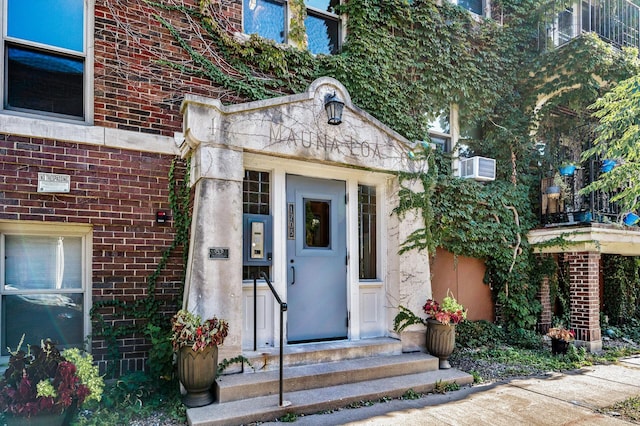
(570,208)
(615,21)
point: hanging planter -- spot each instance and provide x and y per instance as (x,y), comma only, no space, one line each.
(607,166)
(567,169)
(631,219)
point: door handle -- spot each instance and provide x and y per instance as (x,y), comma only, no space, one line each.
(293,273)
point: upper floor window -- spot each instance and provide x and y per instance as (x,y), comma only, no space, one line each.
(269,19)
(440,131)
(475,6)
(44,50)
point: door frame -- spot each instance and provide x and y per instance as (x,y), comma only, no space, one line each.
(279,168)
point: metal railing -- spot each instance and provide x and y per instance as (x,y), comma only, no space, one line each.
(283,309)
(615,21)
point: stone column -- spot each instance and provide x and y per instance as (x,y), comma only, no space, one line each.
(545,300)
(585,298)
(409,273)
(214,273)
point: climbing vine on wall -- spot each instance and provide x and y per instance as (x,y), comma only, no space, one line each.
(148,308)
(621,294)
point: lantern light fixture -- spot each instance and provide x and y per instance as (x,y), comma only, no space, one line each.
(334,106)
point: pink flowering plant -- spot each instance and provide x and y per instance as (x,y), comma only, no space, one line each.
(188,329)
(449,312)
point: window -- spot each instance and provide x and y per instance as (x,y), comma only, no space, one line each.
(269,18)
(440,131)
(255,200)
(367,231)
(44,61)
(475,6)
(43,285)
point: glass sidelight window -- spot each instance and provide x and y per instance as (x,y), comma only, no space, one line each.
(256,196)
(317,222)
(367,231)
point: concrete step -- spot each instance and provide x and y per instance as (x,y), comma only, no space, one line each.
(250,385)
(313,353)
(267,408)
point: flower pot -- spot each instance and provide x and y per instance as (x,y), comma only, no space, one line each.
(441,340)
(197,372)
(559,346)
(553,192)
(631,219)
(607,166)
(567,170)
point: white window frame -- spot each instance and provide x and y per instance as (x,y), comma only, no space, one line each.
(52,230)
(86,55)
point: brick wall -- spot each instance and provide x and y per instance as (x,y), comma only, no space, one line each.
(585,294)
(115,191)
(134,89)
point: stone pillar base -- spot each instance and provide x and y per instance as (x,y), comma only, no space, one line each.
(592,346)
(413,340)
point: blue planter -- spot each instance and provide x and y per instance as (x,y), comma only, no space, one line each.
(631,219)
(567,170)
(607,166)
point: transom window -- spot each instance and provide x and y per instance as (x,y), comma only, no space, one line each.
(44,49)
(269,19)
(43,285)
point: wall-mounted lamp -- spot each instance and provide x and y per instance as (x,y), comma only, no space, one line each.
(333,105)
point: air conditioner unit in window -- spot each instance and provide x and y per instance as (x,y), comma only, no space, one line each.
(478,168)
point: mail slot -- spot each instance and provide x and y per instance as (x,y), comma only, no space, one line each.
(257,240)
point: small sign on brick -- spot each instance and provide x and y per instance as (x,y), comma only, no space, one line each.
(52,182)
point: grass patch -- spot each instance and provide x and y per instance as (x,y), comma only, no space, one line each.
(628,409)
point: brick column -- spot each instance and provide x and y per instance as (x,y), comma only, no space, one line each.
(544,321)
(584,290)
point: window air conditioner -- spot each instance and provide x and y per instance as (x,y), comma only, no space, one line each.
(478,168)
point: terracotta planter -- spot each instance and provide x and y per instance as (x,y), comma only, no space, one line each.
(441,341)
(197,372)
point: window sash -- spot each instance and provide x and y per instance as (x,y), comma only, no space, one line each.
(43,284)
(57,55)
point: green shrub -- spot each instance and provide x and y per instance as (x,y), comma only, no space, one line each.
(475,334)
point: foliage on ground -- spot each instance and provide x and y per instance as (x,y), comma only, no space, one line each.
(486,351)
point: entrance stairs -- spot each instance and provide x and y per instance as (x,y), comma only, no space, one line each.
(319,377)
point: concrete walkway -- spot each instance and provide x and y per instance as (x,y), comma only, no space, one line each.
(556,399)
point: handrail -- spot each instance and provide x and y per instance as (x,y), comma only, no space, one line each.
(283,308)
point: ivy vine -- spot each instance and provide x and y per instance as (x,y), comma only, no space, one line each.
(148,307)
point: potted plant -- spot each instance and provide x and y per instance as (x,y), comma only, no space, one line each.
(567,168)
(44,385)
(441,322)
(560,339)
(196,343)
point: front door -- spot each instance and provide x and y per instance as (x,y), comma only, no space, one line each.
(316,260)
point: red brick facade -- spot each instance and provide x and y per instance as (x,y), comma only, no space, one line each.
(135,89)
(118,193)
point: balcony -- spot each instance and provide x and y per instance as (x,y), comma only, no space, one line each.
(615,21)
(568,207)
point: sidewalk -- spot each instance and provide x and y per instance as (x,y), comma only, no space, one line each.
(557,399)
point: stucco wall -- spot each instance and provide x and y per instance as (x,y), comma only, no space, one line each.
(464,278)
